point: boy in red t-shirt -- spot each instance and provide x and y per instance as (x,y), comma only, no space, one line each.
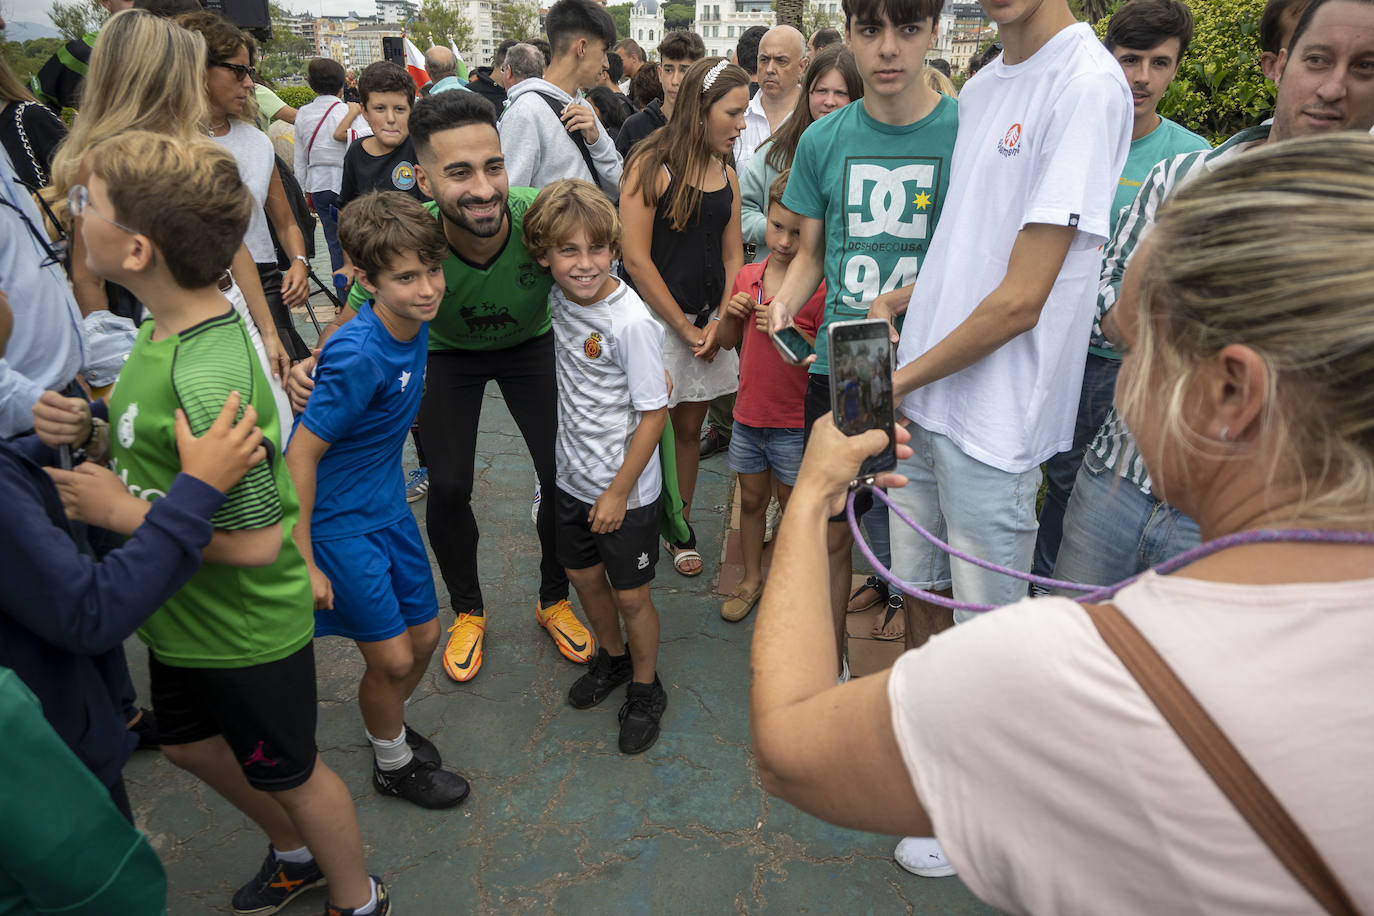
(767,440)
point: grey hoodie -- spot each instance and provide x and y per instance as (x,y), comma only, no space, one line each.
(538,148)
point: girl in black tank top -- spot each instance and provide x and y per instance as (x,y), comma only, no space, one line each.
(680,206)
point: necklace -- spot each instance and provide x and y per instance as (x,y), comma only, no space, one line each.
(218,127)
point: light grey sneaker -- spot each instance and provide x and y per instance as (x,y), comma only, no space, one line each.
(922,855)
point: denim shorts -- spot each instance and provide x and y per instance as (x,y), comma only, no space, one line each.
(754,449)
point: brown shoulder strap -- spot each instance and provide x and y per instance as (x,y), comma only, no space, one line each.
(1222,761)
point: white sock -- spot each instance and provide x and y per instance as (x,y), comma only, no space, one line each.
(391,754)
(371,905)
(294,856)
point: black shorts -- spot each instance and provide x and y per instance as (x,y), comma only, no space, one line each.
(630,552)
(817,404)
(266,713)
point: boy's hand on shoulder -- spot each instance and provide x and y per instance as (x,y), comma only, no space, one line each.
(608,512)
(227,451)
(60,420)
(740,306)
(95,495)
(299,384)
(321,588)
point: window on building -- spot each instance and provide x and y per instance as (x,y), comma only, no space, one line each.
(730,32)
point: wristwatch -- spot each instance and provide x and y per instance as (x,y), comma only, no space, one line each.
(303,259)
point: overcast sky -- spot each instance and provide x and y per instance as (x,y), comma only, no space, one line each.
(37,10)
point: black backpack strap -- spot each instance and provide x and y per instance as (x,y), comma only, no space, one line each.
(576,135)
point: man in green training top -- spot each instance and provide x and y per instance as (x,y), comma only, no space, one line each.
(493,325)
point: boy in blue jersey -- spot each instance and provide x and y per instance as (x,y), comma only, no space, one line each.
(368,568)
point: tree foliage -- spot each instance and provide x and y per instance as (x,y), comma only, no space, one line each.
(517,19)
(816,17)
(296,96)
(25,58)
(438,23)
(620,14)
(76,18)
(286,54)
(1219,89)
(678,16)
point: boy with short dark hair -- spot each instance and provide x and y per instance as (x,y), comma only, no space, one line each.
(612,410)
(368,568)
(548,131)
(384,161)
(230,655)
(676,52)
(768,436)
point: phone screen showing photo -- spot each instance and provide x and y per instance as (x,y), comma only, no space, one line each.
(861,385)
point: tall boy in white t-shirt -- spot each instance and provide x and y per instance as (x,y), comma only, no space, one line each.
(991,355)
(612,410)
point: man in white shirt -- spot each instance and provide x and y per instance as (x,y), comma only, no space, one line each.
(319,157)
(782,60)
(991,356)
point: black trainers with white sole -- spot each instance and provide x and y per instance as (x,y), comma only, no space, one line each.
(605,673)
(422,785)
(277,883)
(423,749)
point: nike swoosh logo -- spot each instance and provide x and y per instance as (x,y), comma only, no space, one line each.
(468,661)
(576,647)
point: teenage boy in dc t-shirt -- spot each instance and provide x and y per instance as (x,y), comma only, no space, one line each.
(992,351)
(870,181)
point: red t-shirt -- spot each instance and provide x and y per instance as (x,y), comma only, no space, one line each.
(770,391)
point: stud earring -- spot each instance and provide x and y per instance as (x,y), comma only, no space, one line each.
(1225,431)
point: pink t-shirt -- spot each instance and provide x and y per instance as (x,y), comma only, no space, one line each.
(1055,786)
(770,391)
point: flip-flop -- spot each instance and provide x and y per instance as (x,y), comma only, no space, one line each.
(683,555)
(894,607)
(879,589)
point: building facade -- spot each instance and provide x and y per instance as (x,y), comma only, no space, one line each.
(646,24)
(720,24)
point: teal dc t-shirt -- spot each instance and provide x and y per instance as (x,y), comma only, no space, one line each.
(879,188)
(1164,142)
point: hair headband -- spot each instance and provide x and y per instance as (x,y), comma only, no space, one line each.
(712,74)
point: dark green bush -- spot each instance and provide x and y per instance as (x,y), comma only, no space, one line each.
(296,96)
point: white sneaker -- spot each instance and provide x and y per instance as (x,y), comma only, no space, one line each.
(922,855)
(534,507)
(844,671)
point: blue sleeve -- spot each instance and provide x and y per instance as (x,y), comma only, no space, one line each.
(804,193)
(88,607)
(346,381)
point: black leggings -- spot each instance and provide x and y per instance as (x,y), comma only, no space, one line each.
(454,383)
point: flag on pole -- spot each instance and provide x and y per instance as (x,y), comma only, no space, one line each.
(415,64)
(462,65)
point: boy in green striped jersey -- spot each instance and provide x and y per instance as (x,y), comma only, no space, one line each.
(230,655)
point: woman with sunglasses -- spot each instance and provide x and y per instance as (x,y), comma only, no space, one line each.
(145,75)
(229,88)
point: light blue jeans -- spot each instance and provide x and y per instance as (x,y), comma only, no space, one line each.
(980,510)
(1113,531)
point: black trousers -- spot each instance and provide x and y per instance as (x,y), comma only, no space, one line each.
(449,413)
(281,315)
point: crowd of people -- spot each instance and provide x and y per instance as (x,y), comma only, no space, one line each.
(1111,345)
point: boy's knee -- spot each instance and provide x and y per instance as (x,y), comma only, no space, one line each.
(635,602)
(393,665)
(424,639)
(182,756)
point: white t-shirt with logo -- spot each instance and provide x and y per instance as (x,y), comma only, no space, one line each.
(608,359)
(1042,141)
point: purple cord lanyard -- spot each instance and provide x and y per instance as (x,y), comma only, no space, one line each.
(1093,592)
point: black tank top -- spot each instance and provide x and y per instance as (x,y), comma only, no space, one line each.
(691,261)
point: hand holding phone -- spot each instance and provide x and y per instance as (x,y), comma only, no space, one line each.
(861,386)
(791,345)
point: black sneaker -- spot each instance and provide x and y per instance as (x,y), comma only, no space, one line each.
(426,787)
(383,903)
(605,673)
(277,884)
(423,749)
(644,705)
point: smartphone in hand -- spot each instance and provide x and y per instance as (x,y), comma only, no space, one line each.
(792,345)
(861,386)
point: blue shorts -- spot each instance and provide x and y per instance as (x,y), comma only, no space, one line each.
(754,450)
(382,583)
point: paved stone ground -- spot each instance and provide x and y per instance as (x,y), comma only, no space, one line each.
(558,820)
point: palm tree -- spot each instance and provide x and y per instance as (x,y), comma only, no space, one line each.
(790,12)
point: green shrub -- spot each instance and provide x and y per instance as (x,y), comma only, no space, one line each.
(296,96)
(1219,89)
